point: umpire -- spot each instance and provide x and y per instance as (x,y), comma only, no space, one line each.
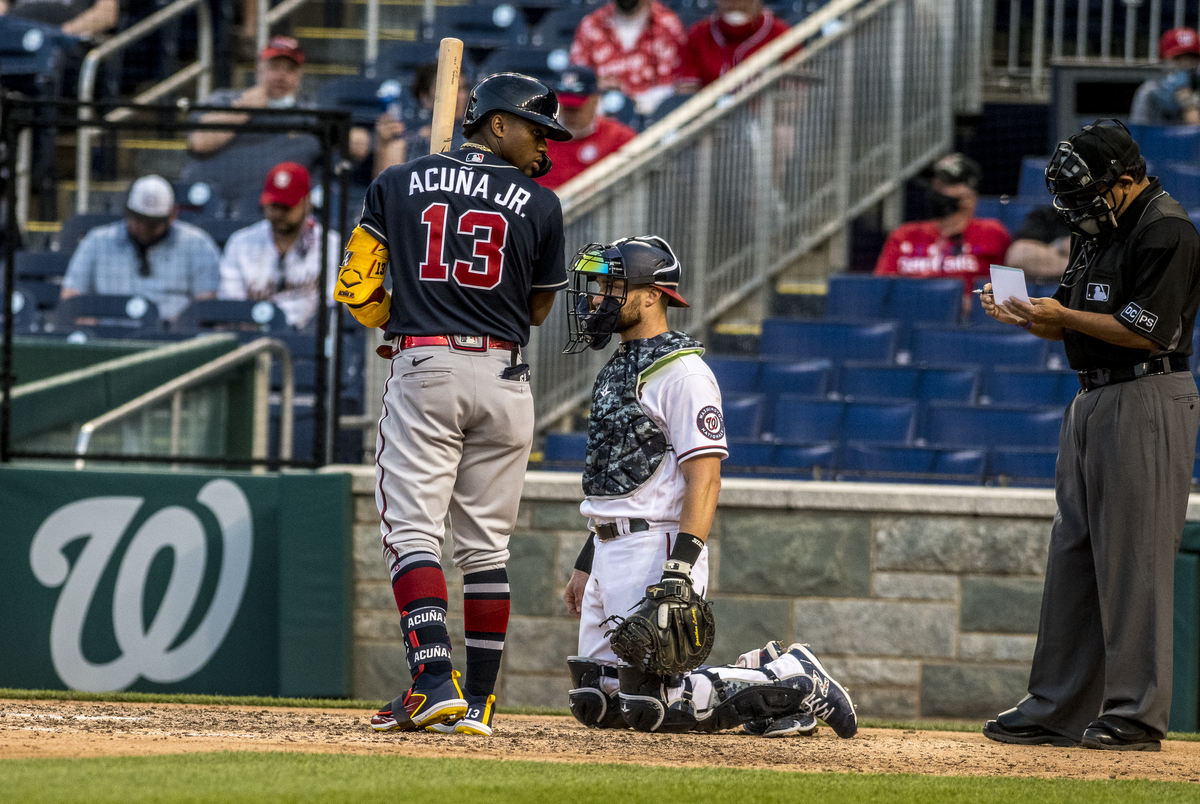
(1101,672)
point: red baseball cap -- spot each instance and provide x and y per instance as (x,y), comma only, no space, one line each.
(286,184)
(1178,42)
(284,46)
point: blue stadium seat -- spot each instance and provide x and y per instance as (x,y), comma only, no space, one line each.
(76,227)
(990,206)
(29,48)
(200,196)
(1031,186)
(1031,387)
(749,453)
(1020,466)
(620,108)
(735,375)
(482,28)
(557,28)
(25,318)
(804,457)
(209,315)
(829,339)
(219,229)
(808,377)
(543,63)
(809,420)
(104,316)
(948,424)
(938,300)
(41,266)
(743,415)
(354,94)
(1182,181)
(873,462)
(1162,144)
(1195,358)
(858,297)
(401,59)
(943,345)
(960,466)
(879,381)
(565,448)
(663,109)
(959,384)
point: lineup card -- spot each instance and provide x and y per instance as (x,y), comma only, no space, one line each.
(1008,283)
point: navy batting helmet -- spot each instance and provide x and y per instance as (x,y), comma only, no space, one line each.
(516,94)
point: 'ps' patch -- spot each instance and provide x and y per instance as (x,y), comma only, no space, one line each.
(1097,292)
(1131,312)
(711,423)
(1146,321)
(474,157)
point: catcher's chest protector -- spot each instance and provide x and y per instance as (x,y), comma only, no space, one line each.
(624,445)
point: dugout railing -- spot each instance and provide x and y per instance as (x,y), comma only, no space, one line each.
(773,161)
(118,130)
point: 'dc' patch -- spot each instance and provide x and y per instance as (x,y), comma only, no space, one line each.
(711,423)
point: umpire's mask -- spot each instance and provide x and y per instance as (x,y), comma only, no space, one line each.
(1084,169)
(604,274)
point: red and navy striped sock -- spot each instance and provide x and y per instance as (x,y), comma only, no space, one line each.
(485,616)
(419,586)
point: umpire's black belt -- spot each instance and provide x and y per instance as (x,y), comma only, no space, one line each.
(1089,380)
(610,530)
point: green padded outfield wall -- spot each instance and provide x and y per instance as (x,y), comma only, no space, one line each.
(205,582)
(1185,684)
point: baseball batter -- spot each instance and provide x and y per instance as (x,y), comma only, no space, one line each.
(474,250)
(656,438)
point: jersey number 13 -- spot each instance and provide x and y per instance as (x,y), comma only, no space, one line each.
(487,231)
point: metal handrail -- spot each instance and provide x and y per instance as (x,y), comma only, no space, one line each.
(200,70)
(175,388)
(268,16)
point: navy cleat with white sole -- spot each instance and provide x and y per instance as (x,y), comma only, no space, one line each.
(829,699)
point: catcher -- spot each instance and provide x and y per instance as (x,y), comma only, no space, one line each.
(656,438)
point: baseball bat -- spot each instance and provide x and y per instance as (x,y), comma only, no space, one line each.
(445,95)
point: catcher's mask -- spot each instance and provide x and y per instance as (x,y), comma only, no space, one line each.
(1084,169)
(605,273)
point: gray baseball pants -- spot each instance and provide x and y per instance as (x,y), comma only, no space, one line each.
(1124,472)
(454,438)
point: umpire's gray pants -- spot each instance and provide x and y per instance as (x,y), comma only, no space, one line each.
(1124,471)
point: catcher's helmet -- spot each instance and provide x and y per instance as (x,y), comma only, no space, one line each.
(1083,170)
(520,95)
(642,260)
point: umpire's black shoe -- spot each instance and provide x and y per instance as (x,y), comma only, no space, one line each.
(1013,727)
(1112,733)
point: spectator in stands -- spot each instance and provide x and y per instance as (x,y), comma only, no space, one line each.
(82,18)
(395,144)
(150,254)
(279,259)
(634,46)
(1041,246)
(953,243)
(724,40)
(237,162)
(1173,99)
(593,136)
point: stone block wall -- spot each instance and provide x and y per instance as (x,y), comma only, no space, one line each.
(923,600)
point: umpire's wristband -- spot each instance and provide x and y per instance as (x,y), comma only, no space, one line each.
(584,562)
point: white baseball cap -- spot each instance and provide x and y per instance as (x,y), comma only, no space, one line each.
(151,196)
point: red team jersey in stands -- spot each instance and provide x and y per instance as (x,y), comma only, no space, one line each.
(919,250)
(653,61)
(714,47)
(572,158)
(469,238)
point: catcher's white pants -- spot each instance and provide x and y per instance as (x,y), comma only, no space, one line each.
(454,438)
(622,568)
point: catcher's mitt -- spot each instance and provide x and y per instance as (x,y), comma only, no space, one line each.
(670,631)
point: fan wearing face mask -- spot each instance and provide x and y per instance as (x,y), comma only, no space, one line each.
(952,243)
(717,44)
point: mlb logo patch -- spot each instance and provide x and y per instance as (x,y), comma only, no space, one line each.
(1146,321)
(1096,292)
(1131,313)
(474,157)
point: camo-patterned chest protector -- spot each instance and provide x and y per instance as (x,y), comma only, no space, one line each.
(624,445)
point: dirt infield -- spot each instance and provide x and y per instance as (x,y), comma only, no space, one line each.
(70,729)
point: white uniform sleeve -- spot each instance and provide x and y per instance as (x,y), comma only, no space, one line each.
(691,411)
(233,283)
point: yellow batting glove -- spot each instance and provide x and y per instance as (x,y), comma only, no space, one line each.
(375,312)
(362,271)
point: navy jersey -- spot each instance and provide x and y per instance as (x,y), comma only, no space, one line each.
(469,237)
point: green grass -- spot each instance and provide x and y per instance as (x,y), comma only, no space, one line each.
(255,777)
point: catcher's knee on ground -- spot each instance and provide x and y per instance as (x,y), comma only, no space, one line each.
(590,703)
(644,702)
